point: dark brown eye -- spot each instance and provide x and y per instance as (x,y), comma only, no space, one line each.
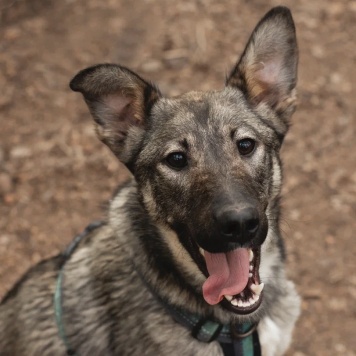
(177,160)
(246,146)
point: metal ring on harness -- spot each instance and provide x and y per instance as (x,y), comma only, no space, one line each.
(236,335)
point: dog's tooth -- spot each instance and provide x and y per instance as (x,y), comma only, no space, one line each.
(228,297)
(253,287)
(202,251)
(240,303)
(251,301)
(246,304)
(251,268)
(257,288)
(250,275)
(256,297)
(250,254)
(234,302)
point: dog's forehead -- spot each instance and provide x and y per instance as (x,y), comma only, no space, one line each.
(196,110)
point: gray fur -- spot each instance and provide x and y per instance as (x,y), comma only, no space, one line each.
(143,246)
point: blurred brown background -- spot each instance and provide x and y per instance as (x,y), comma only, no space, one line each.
(55,176)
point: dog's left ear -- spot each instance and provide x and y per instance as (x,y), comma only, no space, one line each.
(267,70)
(120,102)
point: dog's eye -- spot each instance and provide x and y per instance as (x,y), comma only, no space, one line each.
(177,160)
(246,146)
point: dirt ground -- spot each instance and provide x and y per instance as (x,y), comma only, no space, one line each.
(55,176)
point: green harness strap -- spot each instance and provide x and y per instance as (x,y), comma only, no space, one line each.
(58,314)
(57,298)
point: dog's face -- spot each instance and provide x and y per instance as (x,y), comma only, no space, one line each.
(207,163)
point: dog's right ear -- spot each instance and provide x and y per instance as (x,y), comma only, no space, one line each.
(119,101)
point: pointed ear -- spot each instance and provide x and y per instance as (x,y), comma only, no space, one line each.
(119,101)
(267,70)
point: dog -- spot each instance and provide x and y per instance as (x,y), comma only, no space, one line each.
(190,259)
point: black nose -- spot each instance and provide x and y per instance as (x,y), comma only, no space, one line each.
(238,226)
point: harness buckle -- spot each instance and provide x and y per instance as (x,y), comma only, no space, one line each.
(236,333)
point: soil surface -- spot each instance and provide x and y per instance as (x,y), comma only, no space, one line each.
(56,177)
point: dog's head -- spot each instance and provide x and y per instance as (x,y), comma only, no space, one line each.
(207,163)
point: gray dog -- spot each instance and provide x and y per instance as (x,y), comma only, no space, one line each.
(190,259)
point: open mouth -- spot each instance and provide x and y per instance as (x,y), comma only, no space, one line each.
(233,280)
(249,299)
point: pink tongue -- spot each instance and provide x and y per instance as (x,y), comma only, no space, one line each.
(228,274)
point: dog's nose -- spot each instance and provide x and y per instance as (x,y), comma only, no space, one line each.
(238,226)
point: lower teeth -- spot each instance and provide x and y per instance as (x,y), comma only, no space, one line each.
(256,291)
